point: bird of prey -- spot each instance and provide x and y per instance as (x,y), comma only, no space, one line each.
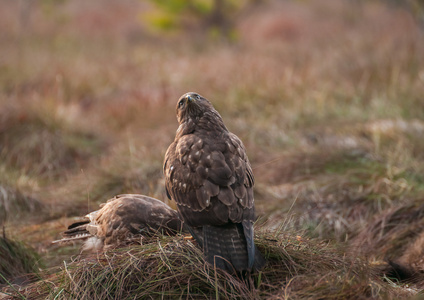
(122,220)
(208,175)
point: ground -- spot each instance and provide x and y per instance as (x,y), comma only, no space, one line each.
(326,96)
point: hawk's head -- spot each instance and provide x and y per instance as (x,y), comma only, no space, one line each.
(195,112)
(192,106)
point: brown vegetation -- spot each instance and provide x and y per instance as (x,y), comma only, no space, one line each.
(326,96)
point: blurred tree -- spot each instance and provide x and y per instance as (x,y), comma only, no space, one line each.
(215,16)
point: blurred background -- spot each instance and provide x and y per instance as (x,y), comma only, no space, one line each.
(327,97)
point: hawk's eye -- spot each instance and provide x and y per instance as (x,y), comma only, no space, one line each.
(197,97)
(181,103)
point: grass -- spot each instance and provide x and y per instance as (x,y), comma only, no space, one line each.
(172,267)
(327,98)
(40,145)
(392,232)
(19,263)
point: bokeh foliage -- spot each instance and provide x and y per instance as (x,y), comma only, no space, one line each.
(213,16)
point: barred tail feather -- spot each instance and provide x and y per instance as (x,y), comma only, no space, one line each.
(256,260)
(227,248)
(76,231)
(72,238)
(248,233)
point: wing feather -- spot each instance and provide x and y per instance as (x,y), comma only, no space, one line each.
(198,169)
(226,196)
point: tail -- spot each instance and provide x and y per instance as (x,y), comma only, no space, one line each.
(76,231)
(256,260)
(229,248)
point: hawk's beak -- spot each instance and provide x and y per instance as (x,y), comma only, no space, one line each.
(190,98)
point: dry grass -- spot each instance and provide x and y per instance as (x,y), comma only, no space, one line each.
(37,144)
(326,96)
(392,232)
(167,267)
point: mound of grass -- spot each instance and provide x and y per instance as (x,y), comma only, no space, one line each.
(173,267)
(16,260)
(392,231)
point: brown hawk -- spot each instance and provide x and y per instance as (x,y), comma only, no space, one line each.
(122,220)
(208,175)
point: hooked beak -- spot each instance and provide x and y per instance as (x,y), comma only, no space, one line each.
(190,98)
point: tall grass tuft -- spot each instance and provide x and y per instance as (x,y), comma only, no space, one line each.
(17,260)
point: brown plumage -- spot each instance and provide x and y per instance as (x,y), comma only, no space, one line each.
(208,175)
(123,220)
